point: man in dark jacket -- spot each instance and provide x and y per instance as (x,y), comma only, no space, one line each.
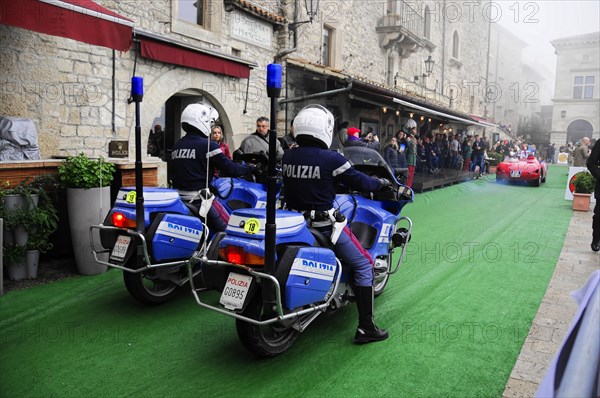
(593,165)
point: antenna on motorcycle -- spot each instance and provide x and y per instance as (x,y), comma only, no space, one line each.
(137,94)
(273,91)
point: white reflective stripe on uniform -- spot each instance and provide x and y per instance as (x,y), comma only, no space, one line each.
(213,153)
(346,166)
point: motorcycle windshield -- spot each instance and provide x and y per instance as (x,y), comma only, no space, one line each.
(359,156)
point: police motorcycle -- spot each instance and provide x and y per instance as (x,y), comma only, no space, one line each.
(174,231)
(154,258)
(272,305)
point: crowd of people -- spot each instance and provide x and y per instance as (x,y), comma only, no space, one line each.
(408,152)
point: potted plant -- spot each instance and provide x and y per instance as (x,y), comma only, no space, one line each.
(43,221)
(584,184)
(88,200)
(14,256)
(28,224)
(15,203)
(494,158)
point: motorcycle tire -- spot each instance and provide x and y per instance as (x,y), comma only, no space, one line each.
(263,341)
(148,290)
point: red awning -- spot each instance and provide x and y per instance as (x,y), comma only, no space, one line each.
(483,120)
(81,20)
(173,54)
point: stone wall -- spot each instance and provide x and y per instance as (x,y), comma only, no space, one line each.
(66,86)
(577,57)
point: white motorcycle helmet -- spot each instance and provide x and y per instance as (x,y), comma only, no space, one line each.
(409,124)
(200,116)
(315,121)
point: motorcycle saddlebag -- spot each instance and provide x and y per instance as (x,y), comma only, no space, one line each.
(311,273)
(174,236)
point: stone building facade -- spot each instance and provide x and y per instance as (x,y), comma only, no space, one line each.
(77,93)
(576,111)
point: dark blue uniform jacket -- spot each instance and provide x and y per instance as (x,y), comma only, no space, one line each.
(188,163)
(310,176)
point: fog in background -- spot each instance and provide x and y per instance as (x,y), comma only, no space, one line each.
(540,22)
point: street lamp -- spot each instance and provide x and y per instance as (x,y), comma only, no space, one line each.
(312,7)
(429,62)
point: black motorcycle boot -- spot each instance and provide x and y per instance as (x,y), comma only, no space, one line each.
(367,331)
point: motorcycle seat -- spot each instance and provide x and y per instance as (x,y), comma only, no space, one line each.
(321,239)
(193,209)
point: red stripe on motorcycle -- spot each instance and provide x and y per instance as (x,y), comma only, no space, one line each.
(362,250)
(223,215)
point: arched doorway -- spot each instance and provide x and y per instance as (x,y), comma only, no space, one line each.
(578,129)
(171,118)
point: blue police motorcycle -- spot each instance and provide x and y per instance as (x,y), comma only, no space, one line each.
(154,262)
(271,309)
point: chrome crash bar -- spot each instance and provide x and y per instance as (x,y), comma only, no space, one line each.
(261,275)
(147,263)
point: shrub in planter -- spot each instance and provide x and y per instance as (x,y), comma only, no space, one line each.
(82,172)
(495,158)
(584,183)
(88,201)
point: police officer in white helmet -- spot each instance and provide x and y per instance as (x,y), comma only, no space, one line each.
(189,161)
(314,188)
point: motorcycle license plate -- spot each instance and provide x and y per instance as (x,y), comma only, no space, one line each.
(515,174)
(120,250)
(235,291)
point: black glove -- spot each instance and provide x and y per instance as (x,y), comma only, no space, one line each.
(252,168)
(384,182)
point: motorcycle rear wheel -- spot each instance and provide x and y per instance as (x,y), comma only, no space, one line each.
(146,288)
(263,341)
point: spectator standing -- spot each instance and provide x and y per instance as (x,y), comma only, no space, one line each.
(411,150)
(477,155)
(454,145)
(216,134)
(401,141)
(391,154)
(466,152)
(581,153)
(258,141)
(593,165)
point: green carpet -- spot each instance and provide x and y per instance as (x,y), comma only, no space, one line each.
(458,312)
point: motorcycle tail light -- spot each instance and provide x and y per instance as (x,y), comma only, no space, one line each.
(119,220)
(237,255)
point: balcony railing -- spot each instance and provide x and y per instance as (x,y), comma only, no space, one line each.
(419,90)
(403,16)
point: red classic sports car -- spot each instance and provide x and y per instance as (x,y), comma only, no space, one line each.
(527,169)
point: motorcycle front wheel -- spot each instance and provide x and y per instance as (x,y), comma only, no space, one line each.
(379,282)
(147,287)
(264,341)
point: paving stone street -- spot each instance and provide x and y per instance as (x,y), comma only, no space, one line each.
(574,266)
